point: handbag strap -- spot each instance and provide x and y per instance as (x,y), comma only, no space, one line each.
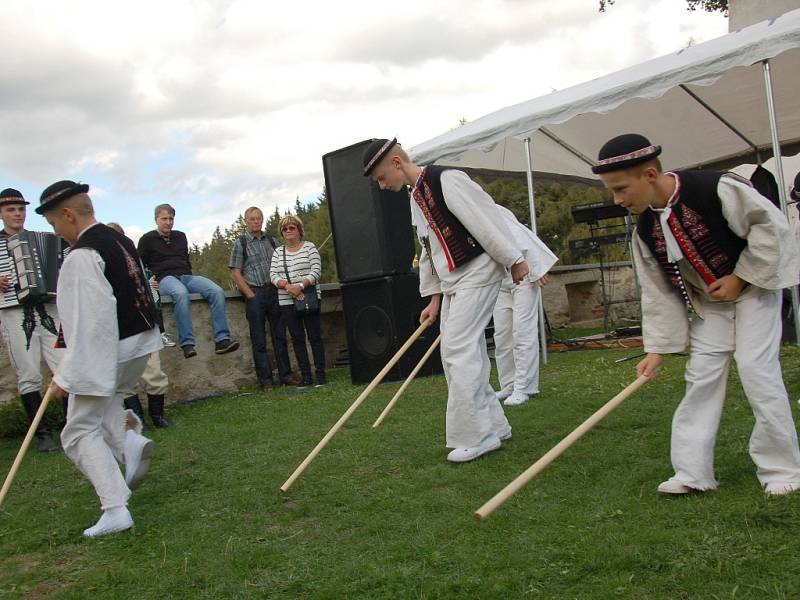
(285,267)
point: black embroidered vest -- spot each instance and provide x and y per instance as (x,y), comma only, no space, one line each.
(701,230)
(135,310)
(459,245)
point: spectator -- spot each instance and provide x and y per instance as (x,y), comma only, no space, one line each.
(165,252)
(295,267)
(250,261)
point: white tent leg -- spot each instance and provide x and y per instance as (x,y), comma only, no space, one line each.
(776,150)
(532,207)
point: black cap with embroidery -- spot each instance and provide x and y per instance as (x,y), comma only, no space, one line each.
(58,192)
(624,151)
(11,196)
(375,152)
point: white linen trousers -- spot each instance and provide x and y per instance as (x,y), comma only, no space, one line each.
(750,331)
(94,436)
(27,363)
(516,337)
(473,411)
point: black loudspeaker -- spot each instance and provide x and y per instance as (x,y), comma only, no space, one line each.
(380,315)
(371,228)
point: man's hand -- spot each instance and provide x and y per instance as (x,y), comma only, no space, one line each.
(727,288)
(431,312)
(519,271)
(649,366)
(4,283)
(56,391)
(543,280)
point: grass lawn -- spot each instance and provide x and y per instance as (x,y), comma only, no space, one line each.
(381,514)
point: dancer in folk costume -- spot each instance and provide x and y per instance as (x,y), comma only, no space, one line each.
(467,248)
(516,318)
(109,329)
(29,331)
(709,242)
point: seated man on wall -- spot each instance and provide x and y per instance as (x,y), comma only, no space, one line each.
(165,252)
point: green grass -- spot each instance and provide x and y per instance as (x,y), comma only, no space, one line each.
(381,514)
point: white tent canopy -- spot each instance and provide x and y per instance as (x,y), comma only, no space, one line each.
(704,104)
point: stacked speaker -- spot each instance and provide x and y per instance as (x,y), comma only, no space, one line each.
(374,245)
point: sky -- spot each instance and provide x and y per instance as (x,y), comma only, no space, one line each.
(217,105)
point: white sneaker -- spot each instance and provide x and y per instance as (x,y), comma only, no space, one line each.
(672,486)
(460,455)
(502,394)
(506,435)
(137,452)
(167,340)
(516,398)
(111,521)
(780,489)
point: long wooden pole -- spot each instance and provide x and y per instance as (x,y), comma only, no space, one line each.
(25,443)
(343,419)
(408,381)
(541,464)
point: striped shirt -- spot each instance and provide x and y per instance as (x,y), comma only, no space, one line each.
(303,263)
(256,265)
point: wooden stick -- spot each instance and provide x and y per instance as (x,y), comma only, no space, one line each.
(541,464)
(378,378)
(408,381)
(25,443)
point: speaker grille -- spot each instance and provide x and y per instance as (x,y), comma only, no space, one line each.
(373,332)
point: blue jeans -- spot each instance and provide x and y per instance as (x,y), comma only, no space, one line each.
(179,287)
(311,324)
(259,310)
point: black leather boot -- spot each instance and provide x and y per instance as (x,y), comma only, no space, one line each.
(31,402)
(133,403)
(155,406)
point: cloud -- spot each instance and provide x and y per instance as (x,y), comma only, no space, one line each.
(217,105)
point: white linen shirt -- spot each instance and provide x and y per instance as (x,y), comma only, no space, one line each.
(478,214)
(770,261)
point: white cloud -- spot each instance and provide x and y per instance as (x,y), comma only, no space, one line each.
(223,104)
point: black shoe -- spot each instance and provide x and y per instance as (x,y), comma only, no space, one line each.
(321,381)
(155,406)
(46,444)
(189,351)
(225,346)
(304,384)
(160,422)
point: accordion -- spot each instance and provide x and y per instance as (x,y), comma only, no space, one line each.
(31,259)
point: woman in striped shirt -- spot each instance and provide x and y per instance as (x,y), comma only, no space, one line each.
(295,266)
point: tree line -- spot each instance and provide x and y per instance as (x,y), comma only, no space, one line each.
(555,196)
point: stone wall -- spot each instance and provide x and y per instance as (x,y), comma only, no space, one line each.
(574,296)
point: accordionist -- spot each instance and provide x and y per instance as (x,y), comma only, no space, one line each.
(30,330)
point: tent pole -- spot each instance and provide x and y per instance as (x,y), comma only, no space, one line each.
(776,151)
(532,207)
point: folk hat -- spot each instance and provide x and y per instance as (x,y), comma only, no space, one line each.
(375,152)
(12,196)
(624,151)
(58,192)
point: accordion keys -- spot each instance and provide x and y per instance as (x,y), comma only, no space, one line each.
(36,257)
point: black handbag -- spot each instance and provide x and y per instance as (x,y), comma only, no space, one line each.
(309,305)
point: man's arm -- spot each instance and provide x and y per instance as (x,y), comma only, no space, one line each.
(236,264)
(770,258)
